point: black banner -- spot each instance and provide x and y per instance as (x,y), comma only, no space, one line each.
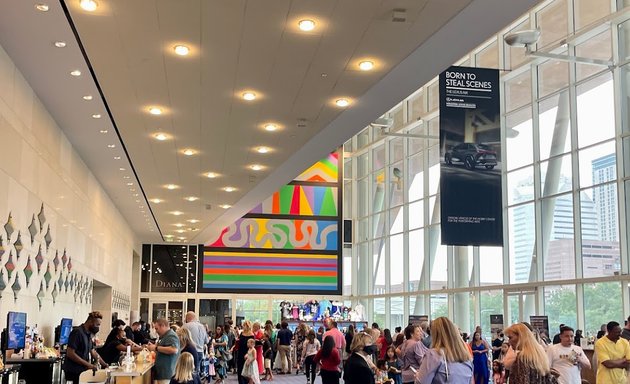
(470,149)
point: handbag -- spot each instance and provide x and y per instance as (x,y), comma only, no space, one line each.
(227,356)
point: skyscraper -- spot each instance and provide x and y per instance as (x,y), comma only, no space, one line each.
(605,196)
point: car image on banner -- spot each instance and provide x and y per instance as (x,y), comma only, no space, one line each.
(472,155)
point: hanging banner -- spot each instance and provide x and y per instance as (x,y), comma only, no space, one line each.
(470,149)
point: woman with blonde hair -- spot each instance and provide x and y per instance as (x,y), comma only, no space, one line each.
(359,367)
(531,364)
(187,345)
(184,370)
(242,349)
(448,361)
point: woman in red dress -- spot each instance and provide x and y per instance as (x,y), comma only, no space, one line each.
(258,336)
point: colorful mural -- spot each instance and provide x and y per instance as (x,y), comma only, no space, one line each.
(289,242)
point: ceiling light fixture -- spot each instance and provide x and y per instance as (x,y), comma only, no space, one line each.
(103,131)
(212,175)
(229,189)
(171,186)
(121,169)
(177,213)
(189,152)
(156,201)
(60,44)
(155,111)
(76,73)
(225,206)
(342,102)
(306,25)
(111,146)
(116,157)
(191,198)
(263,149)
(42,7)
(160,136)
(178,225)
(130,184)
(366,65)
(193,221)
(181,50)
(87,97)
(89,5)
(256,167)
(249,96)
(96,116)
(270,127)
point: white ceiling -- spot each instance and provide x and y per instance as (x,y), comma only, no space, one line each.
(236,45)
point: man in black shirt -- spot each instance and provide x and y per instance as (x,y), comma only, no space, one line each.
(496,345)
(81,348)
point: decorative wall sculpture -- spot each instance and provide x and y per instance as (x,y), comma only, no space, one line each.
(290,242)
(36,268)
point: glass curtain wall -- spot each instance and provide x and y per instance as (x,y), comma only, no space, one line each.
(566,147)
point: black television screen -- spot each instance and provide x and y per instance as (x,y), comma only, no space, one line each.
(16,330)
(64,331)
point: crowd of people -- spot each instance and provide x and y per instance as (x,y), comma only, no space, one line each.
(427,353)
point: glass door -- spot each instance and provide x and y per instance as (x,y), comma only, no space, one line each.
(173,311)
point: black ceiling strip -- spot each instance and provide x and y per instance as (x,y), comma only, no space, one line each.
(109,112)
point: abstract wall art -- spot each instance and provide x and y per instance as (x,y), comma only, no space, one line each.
(290,242)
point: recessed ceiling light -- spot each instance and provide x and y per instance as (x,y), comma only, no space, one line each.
(178,225)
(130,184)
(156,201)
(212,175)
(89,5)
(191,198)
(126,177)
(116,157)
(193,221)
(76,73)
(270,127)
(121,169)
(263,149)
(171,186)
(87,97)
(60,44)
(229,189)
(103,131)
(111,146)
(42,7)
(306,25)
(96,116)
(160,136)
(181,50)
(342,102)
(177,213)
(249,96)
(189,152)
(155,111)
(225,206)
(256,167)
(366,65)
(181,238)
(180,231)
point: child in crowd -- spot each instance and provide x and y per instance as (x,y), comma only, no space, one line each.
(250,368)
(184,370)
(498,373)
(267,355)
(381,373)
(393,365)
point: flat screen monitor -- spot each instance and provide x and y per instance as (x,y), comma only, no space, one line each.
(64,331)
(16,330)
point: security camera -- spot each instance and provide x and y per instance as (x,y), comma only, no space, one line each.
(522,38)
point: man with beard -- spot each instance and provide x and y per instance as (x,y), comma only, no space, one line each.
(81,350)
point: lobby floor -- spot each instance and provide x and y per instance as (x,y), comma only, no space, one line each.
(279,379)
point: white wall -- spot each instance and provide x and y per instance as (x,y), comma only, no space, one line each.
(38,165)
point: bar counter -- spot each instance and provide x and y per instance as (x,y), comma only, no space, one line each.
(140,375)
